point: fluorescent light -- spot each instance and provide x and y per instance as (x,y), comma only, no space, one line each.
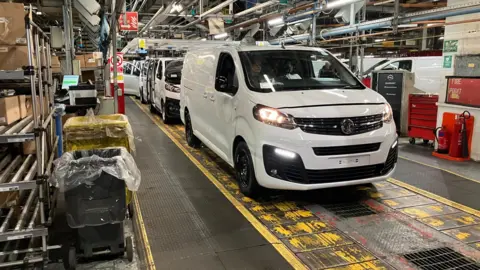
(369,56)
(379,40)
(340,3)
(285,153)
(441,38)
(337,54)
(219,36)
(151,27)
(203,39)
(276,21)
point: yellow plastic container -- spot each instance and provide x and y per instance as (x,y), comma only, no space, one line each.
(99,131)
(92,132)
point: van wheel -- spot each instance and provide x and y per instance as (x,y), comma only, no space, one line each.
(165,118)
(244,171)
(192,140)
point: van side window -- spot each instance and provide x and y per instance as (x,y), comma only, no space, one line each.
(127,68)
(226,76)
(160,70)
(399,65)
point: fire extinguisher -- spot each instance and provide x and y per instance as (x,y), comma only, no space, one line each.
(459,144)
(443,139)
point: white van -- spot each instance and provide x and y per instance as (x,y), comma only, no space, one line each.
(131,78)
(166,96)
(143,81)
(155,76)
(293,118)
(429,71)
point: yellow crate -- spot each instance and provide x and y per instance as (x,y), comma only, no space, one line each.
(99,131)
(93,132)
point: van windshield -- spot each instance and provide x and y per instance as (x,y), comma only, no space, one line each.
(290,70)
(173,72)
(368,71)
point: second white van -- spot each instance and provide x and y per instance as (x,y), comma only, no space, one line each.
(429,71)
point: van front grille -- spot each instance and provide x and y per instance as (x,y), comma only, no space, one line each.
(332,126)
(345,150)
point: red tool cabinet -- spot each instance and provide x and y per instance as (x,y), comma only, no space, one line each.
(422,117)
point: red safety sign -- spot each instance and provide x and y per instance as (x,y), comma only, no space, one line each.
(463,91)
(121,86)
(130,23)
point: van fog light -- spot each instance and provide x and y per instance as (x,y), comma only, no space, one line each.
(394,144)
(285,153)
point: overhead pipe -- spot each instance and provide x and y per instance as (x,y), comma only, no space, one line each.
(255,8)
(330,5)
(210,11)
(387,22)
(160,10)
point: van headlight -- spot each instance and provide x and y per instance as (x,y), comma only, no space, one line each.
(387,113)
(172,88)
(274,117)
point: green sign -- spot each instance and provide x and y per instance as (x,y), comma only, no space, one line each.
(450,46)
(447,61)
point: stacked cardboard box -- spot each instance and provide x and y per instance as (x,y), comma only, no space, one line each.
(13,49)
(56,64)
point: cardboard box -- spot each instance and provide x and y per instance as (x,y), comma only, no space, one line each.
(9,110)
(9,199)
(28,147)
(13,57)
(90,60)
(29,105)
(12,24)
(81,59)
(56,68)
(22,106)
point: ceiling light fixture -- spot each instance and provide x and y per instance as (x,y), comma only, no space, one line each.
(221,35)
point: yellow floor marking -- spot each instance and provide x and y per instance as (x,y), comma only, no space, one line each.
(316,241)
(305,227)
(148,250)
(272,239)
(372,265)
(438,168)
(436,197)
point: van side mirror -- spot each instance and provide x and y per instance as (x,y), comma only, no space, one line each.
(221,84)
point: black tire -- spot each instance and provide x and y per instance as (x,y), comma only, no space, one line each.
(425,141)
(192,140)
(165,118)
(70,259)
(129,248)
(152,109)
(412,141)
(142,100)
(130,210)
(245,172)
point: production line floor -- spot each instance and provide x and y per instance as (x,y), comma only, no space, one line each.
(190,214)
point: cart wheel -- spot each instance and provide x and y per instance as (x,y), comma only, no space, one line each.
(70,259)
(129,248)
(412,141)
(130,210)
(425,141)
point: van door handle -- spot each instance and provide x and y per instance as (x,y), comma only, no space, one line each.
(212,98)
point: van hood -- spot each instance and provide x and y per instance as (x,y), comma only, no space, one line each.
(312,98)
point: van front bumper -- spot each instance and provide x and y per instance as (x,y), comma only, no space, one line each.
(301,164)
(172,107)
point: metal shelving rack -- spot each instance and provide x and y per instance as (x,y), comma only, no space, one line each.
(24,226)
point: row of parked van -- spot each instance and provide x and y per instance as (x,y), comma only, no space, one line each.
(156,81)
(290,118)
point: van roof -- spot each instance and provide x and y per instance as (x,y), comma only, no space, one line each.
(246,48)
